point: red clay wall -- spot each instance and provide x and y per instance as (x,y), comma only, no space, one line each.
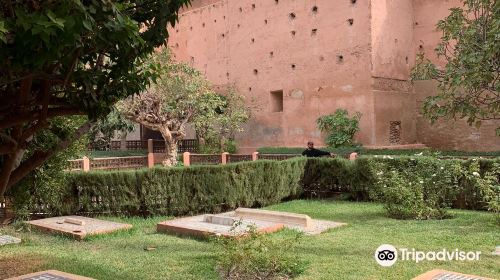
(342,55)
(228,40)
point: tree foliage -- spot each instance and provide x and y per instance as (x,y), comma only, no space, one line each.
(218,134)
(339,127)
(179,95)
(70,57)
(469,83)
(104,130)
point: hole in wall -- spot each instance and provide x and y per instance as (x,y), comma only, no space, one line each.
(253,6)
(292,16)
(321,58)
(315,9)
(276,2)
(241,9)
(293,33)
(255,71)
(223,17)
(406,59)
(421,46)
(238,25)
(314,32)
(223,35)
(203,25)
(350,21)
(250,89)
(253,40)
(227,74)
(271,54)
(276,101)
(340,58)
(416,23)
(353,1)
(177,30)
(191,28)
(294,66)
(265,21)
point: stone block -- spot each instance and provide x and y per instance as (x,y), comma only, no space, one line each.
(219,220)
(87,227)
(50,275)
(7,239)
(438,274)
(275,216)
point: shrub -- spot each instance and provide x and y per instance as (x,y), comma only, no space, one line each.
(258,256)
(196,189)
(340,127)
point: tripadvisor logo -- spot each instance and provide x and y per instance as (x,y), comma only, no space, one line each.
(387,255)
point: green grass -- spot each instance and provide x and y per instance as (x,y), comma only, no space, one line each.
(342,253)
(104,154)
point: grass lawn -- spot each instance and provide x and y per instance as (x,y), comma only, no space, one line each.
(342,253)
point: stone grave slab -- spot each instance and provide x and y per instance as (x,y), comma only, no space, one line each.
(213,225)
(77,227)
(50,275)
(7,239)
(439,274)
(264,220)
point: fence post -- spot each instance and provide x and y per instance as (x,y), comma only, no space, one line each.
(255,156)
(353,156)
(186,159)
(224,157)
(86,164)
(151,160)
(150,146)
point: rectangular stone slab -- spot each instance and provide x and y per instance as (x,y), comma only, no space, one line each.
(90,226)
(50,275)
(7,239)
(275,216)
(439,274)
(219,220)
(196,226)
(74,221)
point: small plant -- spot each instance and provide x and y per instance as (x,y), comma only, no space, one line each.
(257,256)
(340,128)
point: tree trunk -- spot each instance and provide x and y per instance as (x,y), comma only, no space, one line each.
(123,141)
(170,153)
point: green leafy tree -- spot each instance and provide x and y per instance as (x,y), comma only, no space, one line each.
(469,83)
(180,95)
(340,128)
(46,185)
(67,57)
(218,134)
(104,130)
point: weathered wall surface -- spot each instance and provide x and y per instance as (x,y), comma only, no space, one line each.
(308,49)
(391,56)
(448,135)
(323,55)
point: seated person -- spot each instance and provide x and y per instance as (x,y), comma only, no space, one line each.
(312,152)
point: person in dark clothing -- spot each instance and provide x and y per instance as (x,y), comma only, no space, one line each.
(312,152)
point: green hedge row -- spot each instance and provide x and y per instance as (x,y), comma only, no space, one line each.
(181,191)
(410,187)
(362,151)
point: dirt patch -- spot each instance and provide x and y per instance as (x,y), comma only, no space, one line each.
(18,265)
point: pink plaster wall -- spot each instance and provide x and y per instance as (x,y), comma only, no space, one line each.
(228,40)
(320,82)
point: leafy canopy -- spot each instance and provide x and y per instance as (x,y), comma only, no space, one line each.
(69,57)
(340,128)
(469,83)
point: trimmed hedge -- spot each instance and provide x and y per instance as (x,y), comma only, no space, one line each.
(410,187)
(183,191)
(363,151)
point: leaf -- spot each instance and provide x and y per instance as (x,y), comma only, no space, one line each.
(58,21)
